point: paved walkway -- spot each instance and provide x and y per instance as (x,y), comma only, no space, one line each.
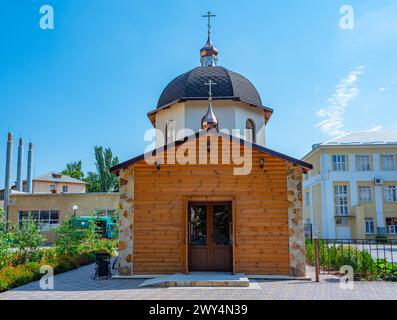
(77,284)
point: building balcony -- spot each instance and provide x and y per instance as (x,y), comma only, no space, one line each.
(349,215)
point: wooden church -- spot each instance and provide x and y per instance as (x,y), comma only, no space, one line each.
(211,196)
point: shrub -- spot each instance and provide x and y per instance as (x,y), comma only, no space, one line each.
(100,245)
(85,258)
(65,264)
(27,238)
(11,277)
(5,241)
(33,266)
(387,270)
(5,248)
(48,256)
(333,257)
(2,220)
(71,240)
(309,246)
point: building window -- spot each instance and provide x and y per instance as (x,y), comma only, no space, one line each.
(369,226)
(391,225)
(52,187)
(339,162)
(341,200)
(363,163)
(387,162)
(47,219)
(364,194)
(342,221)
(65,189)
(106,212)
(250,131)
(170,131)
(307,199)
(22,215)
(390,193)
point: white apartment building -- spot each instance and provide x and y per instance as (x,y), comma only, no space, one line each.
(351,193)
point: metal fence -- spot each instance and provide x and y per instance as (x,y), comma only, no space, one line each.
(365,256)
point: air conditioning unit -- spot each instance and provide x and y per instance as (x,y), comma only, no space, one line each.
(378,181)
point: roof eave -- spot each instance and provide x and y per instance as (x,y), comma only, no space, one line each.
(305,166)
(60,181)
(151,114)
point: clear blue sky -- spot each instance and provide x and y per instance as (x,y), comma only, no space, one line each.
(92,80)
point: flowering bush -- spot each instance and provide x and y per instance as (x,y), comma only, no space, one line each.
(11,276)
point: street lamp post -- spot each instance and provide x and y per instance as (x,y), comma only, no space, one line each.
(74,210)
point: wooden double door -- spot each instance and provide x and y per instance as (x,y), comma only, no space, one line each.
(210,236)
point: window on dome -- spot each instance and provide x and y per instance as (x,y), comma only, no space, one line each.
(170,131)
(250,134)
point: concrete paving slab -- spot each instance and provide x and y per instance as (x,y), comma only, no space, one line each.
(199,279)
(78,285)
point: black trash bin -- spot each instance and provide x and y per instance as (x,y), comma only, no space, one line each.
(102,268)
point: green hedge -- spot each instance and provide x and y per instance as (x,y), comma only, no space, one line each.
(333,257)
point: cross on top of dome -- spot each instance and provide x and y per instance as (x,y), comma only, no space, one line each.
(209,121)
(209,15)
(210,83)
(209,54)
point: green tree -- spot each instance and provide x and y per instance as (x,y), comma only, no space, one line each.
(74,170)
(71,240)
(3,223)
(92,180)
(68,238)
(104,180)
(27,237)
(5,241)
(5,247)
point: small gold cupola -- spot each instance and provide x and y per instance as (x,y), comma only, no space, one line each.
(209,121)
(208,53)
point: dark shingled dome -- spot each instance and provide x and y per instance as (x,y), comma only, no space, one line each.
(229,85)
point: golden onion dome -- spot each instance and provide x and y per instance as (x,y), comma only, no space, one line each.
(209,49)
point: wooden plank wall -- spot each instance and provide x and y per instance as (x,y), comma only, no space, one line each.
(260,209)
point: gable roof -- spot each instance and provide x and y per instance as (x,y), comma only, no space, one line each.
(49,177)
(58,177)
(305,165)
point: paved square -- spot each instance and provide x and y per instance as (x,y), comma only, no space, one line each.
(77,284)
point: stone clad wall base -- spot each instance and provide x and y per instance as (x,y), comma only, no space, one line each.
(126,222)
(297,254)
